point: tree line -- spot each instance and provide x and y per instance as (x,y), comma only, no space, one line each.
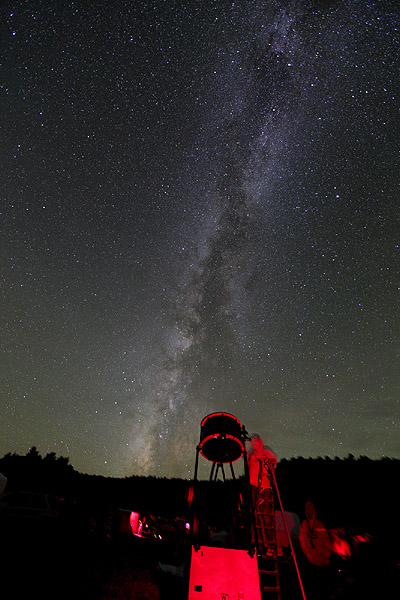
(357,491)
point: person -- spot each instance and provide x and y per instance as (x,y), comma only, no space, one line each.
(314,538)
(262,462)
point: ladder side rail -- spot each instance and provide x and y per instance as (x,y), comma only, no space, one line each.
(288,534)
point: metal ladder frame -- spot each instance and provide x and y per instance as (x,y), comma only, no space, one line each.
(274,571)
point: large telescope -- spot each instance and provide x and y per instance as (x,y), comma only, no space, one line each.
(224,559)
(222,441)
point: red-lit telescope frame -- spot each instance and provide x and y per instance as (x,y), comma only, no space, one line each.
(221,438)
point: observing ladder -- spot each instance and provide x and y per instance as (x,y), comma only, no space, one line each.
(269,578)
(264,522)
(267,548)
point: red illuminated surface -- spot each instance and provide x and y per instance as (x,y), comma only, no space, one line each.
(189,495)
(339,544)
(134,522)
(139,526)
(217,573)
(362,538)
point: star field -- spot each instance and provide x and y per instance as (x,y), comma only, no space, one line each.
(199,212)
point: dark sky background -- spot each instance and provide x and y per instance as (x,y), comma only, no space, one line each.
(199,212)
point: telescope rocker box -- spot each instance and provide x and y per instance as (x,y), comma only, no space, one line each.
(227,573)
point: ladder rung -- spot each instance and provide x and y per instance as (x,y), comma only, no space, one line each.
(271,588)
(263,572)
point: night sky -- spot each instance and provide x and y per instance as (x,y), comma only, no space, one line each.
(199,213)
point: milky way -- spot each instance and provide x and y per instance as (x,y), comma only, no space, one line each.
(201,214)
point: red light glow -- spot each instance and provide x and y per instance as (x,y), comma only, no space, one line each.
(339,543)
(134,522)
(223,573)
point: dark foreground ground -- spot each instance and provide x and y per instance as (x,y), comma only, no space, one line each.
(59,564)
(51,564)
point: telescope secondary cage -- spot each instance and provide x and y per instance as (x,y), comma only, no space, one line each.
(222,438)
